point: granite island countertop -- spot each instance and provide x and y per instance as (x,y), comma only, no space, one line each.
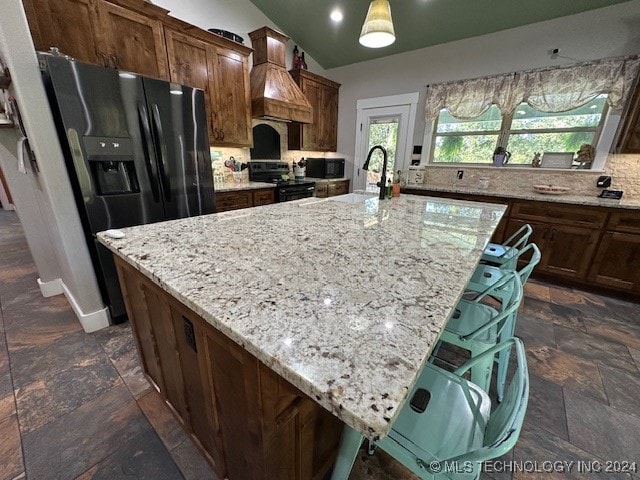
(344,297)
(530,194)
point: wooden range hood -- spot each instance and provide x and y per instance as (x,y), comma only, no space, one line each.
(274,94)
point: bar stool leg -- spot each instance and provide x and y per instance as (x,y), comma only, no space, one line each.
(349,445)
(503,357)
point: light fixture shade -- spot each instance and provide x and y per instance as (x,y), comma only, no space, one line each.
(377,30)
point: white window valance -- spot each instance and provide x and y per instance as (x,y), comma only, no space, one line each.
(556,89)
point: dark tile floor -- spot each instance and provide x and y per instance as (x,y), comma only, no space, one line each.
(74,405)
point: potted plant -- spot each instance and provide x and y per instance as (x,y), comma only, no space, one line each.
(501,157)
(395,187)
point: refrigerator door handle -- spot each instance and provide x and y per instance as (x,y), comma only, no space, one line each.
(162,151)
(147,143)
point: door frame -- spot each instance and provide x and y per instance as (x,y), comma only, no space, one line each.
(404,106)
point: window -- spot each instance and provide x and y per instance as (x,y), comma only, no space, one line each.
(523,133)
(466,141)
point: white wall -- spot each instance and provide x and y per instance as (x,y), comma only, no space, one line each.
(237,16)
(600,33)
(48,215)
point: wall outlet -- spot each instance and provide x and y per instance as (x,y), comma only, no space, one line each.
(460,174)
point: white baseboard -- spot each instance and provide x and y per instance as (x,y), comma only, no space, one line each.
(51,288)
(90,321)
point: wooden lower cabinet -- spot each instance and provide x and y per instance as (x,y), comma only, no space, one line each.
(617,262)
(332,188)
(586,246)
(265,196)
(250,422)
(237,199)
(566,250)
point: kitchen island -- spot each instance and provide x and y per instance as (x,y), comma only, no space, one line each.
(255,324)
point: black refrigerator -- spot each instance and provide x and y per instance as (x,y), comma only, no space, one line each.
(136,150)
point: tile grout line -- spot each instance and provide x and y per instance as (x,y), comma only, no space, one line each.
(13,390)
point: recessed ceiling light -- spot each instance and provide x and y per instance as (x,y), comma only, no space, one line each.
(593,106)
(336,15)
(521,112)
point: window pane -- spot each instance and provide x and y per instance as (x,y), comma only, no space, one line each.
(589,115)
(382,131)
(464,148)
(523,146)
(488,121)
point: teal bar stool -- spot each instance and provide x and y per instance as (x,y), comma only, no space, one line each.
(477,327)
(446,429)
(484,277)
(499,253)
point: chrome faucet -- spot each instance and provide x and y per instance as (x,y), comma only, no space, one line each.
(383,178)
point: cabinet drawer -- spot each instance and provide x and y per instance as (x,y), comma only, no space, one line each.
(628,222)
(322,190)
(233,200)
(564,214)
(337,188)
(264,197)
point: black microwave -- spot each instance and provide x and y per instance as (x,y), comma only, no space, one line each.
(325,167)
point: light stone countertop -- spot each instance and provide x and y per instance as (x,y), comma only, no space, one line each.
(325,180)
(530,194)
(232,186)
(344,297)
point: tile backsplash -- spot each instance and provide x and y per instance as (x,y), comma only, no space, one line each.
(220,154)
(623,168)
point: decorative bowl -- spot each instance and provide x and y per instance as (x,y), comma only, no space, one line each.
(551,189)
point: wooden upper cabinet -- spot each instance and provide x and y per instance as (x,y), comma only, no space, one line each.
(132,41)
(230,94)
(188,65)
(139,37)
(187,60)
(629,130)
(322,133)
(68,25)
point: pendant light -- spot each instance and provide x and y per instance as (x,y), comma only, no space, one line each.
(377,31)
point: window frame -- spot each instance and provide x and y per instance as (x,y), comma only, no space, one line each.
(505,132)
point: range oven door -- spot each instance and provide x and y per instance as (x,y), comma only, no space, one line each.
(295,192)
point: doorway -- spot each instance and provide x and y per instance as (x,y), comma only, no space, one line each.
(384,121)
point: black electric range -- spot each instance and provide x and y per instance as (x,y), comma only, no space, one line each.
(286,190)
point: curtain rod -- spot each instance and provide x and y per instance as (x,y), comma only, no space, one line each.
(543,69)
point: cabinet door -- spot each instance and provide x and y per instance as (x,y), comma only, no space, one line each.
(69,25)
(233,200)
(322,189)
(569,251)
(312,133)
(138,314)
(231,108)
(617,262)
(191,347)
(188,65)
(629,136)
(264,197)
(329,119)
(132,41)
(338,188)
